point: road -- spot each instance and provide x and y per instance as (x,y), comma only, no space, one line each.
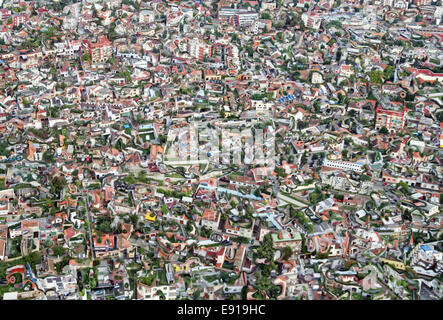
(291,201)
(90,223)
(184,231)
(184,162)
(300,41)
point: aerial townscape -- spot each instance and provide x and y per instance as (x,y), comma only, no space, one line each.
(221,150)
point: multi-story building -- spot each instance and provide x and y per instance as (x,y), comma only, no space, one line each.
(101,50)
(428,76)
(261,108)
(398,4)
(422,2)
(145,292)
(261,25)
(243,19)
(344,165)
(238,231)
(268,5)
(285,239)
(198,49)
(393,120)
(5,13)
(5,206)
(311,20)
(237,17)
(67,48)
(2,249)
(146,16)
(20,19)
(225,14)
(62,285)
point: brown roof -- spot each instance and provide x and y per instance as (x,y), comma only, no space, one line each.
(30,224)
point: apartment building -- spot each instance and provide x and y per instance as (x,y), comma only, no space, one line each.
(101,50)
(393,120)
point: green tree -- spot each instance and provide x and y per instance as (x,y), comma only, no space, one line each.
(33,258)
(280,171)
(149,280)
(376,76)
(48,156)
(266,251)
(384,130)
(320,255)
(104,226)
(86,57)
(249,50)
(263,284)
(58,183)
(196,294)
(266,16)
(50,32)
(274,292)
(59,251)
(387,73)
(165,209)
(404,187)
(287,252)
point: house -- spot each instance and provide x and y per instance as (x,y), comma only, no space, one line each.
(316,78)
(72,236)
(2,249)
(261,108)
(428,76)
(210,219)
(237,230)
(62,285)
(284,239)
(346,70)
(145,292)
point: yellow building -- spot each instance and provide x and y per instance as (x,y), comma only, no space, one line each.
(150,216)
(180,268)
(396,264)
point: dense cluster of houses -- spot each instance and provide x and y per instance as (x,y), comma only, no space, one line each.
(127,169)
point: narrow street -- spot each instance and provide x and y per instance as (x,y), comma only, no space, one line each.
(91,242)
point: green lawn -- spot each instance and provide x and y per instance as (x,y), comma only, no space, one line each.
(162,278)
